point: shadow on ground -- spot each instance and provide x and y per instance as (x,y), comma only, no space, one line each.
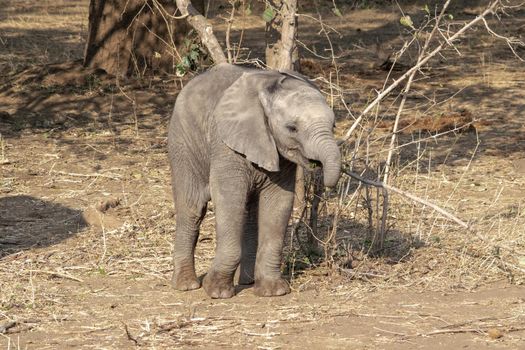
(27,222)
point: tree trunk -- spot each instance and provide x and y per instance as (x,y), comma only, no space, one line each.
(135,36)
(281,34)
(282,53)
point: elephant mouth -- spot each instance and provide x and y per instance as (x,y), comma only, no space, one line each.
(296,156)
(312,164)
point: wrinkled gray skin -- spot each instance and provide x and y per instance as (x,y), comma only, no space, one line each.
(236,137)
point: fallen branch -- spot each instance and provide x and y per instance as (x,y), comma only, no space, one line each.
(59,274)
(112,176)
(469,330)
(486,331)
(408,195)
(11,327)
(6,326)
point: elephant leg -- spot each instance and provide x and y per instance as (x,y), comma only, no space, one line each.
(249,243)
(275,208)
(229,196)
(186,235)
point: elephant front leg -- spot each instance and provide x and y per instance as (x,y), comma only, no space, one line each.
(229,198)
(275,208)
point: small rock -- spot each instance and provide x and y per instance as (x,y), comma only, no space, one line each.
(519,165)
(495,333)
(94,217)
(106,204)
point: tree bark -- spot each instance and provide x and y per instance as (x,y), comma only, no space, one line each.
(281,34)
(134,36)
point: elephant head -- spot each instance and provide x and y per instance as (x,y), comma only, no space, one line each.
(267,113)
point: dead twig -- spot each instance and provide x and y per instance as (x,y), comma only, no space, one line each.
(129,336)
(228,31)
(6,326)
(111,176)
(58,274)
(469,330)
(11,327)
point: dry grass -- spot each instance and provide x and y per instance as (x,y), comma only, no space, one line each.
(72,276)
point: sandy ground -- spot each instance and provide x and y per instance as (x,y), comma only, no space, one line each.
(86,214)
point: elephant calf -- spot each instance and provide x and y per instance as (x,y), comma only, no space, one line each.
(236,136)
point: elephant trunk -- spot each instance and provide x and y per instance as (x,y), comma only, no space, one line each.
(330,157)
(324,149)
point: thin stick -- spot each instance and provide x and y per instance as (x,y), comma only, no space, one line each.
(113,177)
(59,274)
(228,30)
(469,330)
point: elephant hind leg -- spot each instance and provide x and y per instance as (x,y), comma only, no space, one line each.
(188,220)
(249,242)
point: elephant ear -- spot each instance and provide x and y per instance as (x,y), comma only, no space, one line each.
(241,122)
(298,76)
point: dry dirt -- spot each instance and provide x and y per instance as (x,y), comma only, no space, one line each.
(86,214)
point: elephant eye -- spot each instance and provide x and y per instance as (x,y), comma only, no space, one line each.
(291,128)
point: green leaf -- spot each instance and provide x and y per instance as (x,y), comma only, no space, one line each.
(407,22)
(268,14)
(337,12)
(180,70)
(450,16)
(186,61)
(248,10)
(194,55)
(426,9)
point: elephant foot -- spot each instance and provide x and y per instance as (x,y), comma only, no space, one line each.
(271,287)
(218,287)
(185,282)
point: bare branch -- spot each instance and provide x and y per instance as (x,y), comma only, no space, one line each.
(199,23)
(228,31)
(490,9)
(406,90)
(511,41)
